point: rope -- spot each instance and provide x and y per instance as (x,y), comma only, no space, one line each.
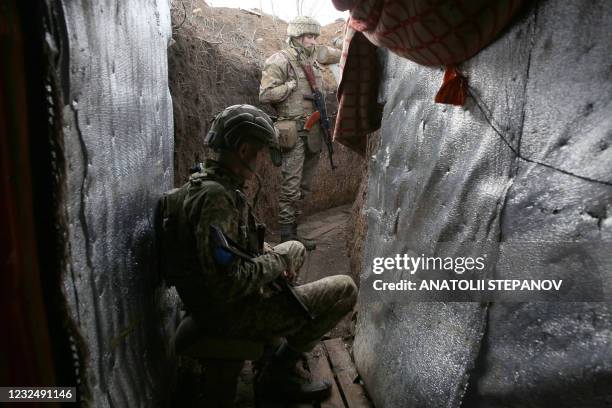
(518,154)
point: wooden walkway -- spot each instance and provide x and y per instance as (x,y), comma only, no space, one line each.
(330,359)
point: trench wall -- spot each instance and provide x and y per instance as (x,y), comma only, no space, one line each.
(442,174)
(118,144)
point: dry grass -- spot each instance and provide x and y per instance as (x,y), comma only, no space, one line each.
(238,33)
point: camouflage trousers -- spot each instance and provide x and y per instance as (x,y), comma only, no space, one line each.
(299,165)
(328,299)
(276,315)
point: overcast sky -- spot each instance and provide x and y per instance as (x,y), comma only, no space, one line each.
(322,10)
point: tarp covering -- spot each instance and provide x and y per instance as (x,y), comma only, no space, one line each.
(443,174)
(426,32)
(119,144)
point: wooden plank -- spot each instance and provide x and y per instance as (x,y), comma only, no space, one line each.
(319,368)
(346,373)
(340,359)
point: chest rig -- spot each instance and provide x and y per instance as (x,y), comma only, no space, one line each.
(295,106)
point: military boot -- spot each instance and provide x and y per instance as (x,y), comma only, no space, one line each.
(309,244)
(286,233)
(289,233)
(281,380)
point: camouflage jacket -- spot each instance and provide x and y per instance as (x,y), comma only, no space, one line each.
(208,287)
(284,66)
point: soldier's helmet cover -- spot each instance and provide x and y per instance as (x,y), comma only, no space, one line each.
(303,25)
(238,123)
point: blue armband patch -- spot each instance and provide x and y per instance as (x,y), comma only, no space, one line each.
(222,256)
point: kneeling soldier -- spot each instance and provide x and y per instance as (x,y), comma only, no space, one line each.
(231,285)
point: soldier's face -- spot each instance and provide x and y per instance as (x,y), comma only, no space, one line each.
(249,154)
(308,40)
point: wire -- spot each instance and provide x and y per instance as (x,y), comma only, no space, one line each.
(518,154)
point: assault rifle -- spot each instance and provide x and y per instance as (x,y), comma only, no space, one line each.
(225,244)
(319,102)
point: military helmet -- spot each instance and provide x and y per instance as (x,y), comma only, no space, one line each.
(303,25)
(238,123)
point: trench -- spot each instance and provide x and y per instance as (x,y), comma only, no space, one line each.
(222,67)
(525,159)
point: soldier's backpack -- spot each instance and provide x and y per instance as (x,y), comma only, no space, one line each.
(175,241)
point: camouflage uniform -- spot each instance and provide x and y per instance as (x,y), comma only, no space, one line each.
(300,161)
(235,300)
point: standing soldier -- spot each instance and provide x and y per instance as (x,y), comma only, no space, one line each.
(284,85)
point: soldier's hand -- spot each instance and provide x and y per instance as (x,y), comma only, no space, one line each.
(338,42)
(291,84)
(290,275)
(293,254)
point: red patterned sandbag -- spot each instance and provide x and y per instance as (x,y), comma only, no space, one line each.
(428,32)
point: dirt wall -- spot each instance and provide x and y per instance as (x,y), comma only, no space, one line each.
(357,227)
